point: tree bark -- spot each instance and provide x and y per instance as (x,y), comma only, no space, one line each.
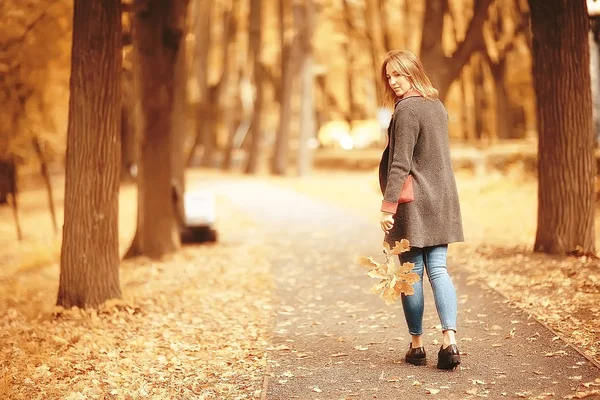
(214,111)
(467,132)
(307,113)
(158,34)
(387,40)
(594,39)
(130,142)
(479,97)
(179,133)
(504,121)
(89,265)
(353,108)
(375,36)
(9,190)
(503,40)
(254,50)
(232,115)
(566,170)
(443,70)
(47,180)
(203,35)
(280,156)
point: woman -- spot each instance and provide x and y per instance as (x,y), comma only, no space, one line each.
(418,151)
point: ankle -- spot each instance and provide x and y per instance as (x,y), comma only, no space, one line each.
(416,342)
(449,338)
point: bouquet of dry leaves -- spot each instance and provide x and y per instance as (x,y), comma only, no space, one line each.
(394,280)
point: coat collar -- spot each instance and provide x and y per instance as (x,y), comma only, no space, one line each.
(410,93)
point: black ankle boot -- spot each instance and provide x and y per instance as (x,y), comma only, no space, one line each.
(416,356)
(448,358)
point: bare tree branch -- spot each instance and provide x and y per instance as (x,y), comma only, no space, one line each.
(28,28)
(473,37)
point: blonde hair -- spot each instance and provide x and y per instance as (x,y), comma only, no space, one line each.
(407,64)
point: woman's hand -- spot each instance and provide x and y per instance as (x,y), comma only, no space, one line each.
(387,221)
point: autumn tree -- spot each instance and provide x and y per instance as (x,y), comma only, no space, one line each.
(255,41)
(305,16)
(507,21)
(288,59)
(35,49)
(89,265)
(443,69)
(354,109)
(159,28)
(561,70)
(206,105)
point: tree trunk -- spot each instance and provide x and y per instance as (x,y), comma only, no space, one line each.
(561,61)
(158,34)
(280,156)
(432,51)
(232,113)
(203,36)
(8,179)
(89,264)
(255,45)
(595,73)
(387,40)
(8,190)
(15,209)
(130,143)
(353,109)
(444,70)
(307,114)
(504,123)
(375,35)
(179,132)
(467,133)
(479,98)
(47,181)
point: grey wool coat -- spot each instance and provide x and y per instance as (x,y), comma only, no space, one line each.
(419,145)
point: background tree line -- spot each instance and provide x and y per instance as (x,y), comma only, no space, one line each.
(159,85)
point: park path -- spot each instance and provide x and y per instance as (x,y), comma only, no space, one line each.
(332,339)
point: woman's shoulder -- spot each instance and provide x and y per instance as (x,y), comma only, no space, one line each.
(418,105)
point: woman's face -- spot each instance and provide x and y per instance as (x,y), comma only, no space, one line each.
(398,82)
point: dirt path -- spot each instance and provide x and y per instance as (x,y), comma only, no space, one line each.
(332,339)
(282,297)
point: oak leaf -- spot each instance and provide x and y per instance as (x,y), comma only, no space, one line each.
(399,247)
(394,280)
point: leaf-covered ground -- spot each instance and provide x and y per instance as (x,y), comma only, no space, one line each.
(499,216)
(193,326)
(197,325)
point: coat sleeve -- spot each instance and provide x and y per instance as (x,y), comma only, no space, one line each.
(406,133)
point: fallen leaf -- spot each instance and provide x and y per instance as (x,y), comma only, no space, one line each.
(399,247)
(393,280)
(511,334)
(584,395)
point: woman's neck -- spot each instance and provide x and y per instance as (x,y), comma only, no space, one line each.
(410,93)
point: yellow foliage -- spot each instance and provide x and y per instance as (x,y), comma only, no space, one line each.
(394,280)
(35,44)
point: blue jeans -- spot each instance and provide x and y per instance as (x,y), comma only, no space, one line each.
(433,259)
